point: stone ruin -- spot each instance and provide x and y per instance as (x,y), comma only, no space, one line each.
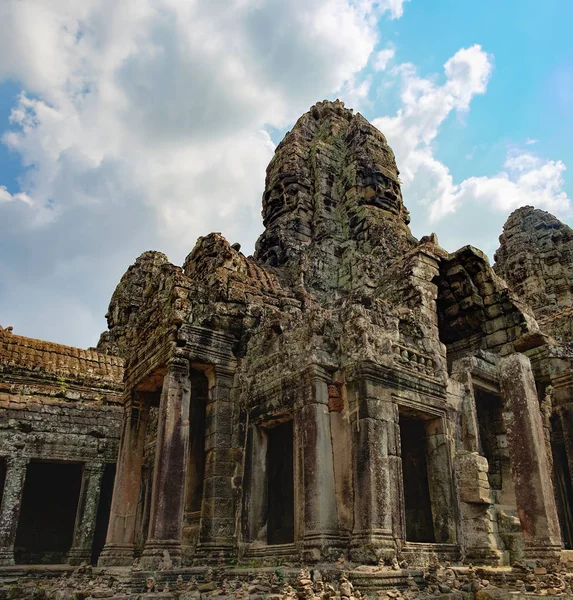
(393,419)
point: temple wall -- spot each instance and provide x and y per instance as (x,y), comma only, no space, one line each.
(348,394)
(60,408)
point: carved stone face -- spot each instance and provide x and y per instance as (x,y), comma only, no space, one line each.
(379,190)
(388,196)
(333,178)
(274,205)
(375,184)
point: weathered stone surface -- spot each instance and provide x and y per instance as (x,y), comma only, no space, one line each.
(58,404)
(126,303)
(535,257)
(476,309)
(346,394)
(332,207)
(529,458)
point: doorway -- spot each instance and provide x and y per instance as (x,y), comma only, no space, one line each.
(418,507)
(48,513)
(562,482)
(280,484)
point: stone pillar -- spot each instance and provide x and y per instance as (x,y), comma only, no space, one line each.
(376,463)
(479,544)
(86,515)
(10,508)
(118,549)
(529,461)
(217,535)
(171,456)
(461,372)
(438,458)
(255,489)
(321,535)
(566,416)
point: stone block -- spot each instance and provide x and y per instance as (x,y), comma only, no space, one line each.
(470,469)
(496,339)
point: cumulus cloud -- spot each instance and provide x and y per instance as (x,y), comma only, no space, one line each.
(6,196)
(525,179)
(394,7)
(142,124)
(428,183)
(382,58)
(425,105)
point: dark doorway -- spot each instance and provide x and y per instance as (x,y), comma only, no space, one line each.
(419,522)
(48,513)
(491,428)
(280,484)
(562,483)
(103,510)
(493,445)
(2,478)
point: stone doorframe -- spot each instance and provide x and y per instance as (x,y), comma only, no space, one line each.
(510,377)
(255,493)
(316,524)
(16,467)
(439,459)
(217,524)
(86,512)
(374,393)
(480,540)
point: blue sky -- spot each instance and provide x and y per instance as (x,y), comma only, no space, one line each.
(144,124)
(530,93)
(10,164)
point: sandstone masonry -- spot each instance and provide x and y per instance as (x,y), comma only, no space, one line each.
(349,394)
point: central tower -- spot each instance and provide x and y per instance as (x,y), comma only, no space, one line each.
(332,197)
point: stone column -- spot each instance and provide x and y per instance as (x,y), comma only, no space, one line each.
(86,515)
(529,461)
(171,456)
(10,508)
(479,544)
(321,534)
(566,416)
(440,470)
(118,549)
(462,373)
(255,488)
(217,535)
(375,466)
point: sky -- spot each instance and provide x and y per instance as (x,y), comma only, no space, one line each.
(143,124)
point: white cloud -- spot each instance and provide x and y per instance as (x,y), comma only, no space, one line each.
(428,183)
(526,179)
(6,196)
(142,125)
(426,105)
(395,7)
(382,58)
(355,92)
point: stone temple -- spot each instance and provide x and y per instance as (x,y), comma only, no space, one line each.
(349,399)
